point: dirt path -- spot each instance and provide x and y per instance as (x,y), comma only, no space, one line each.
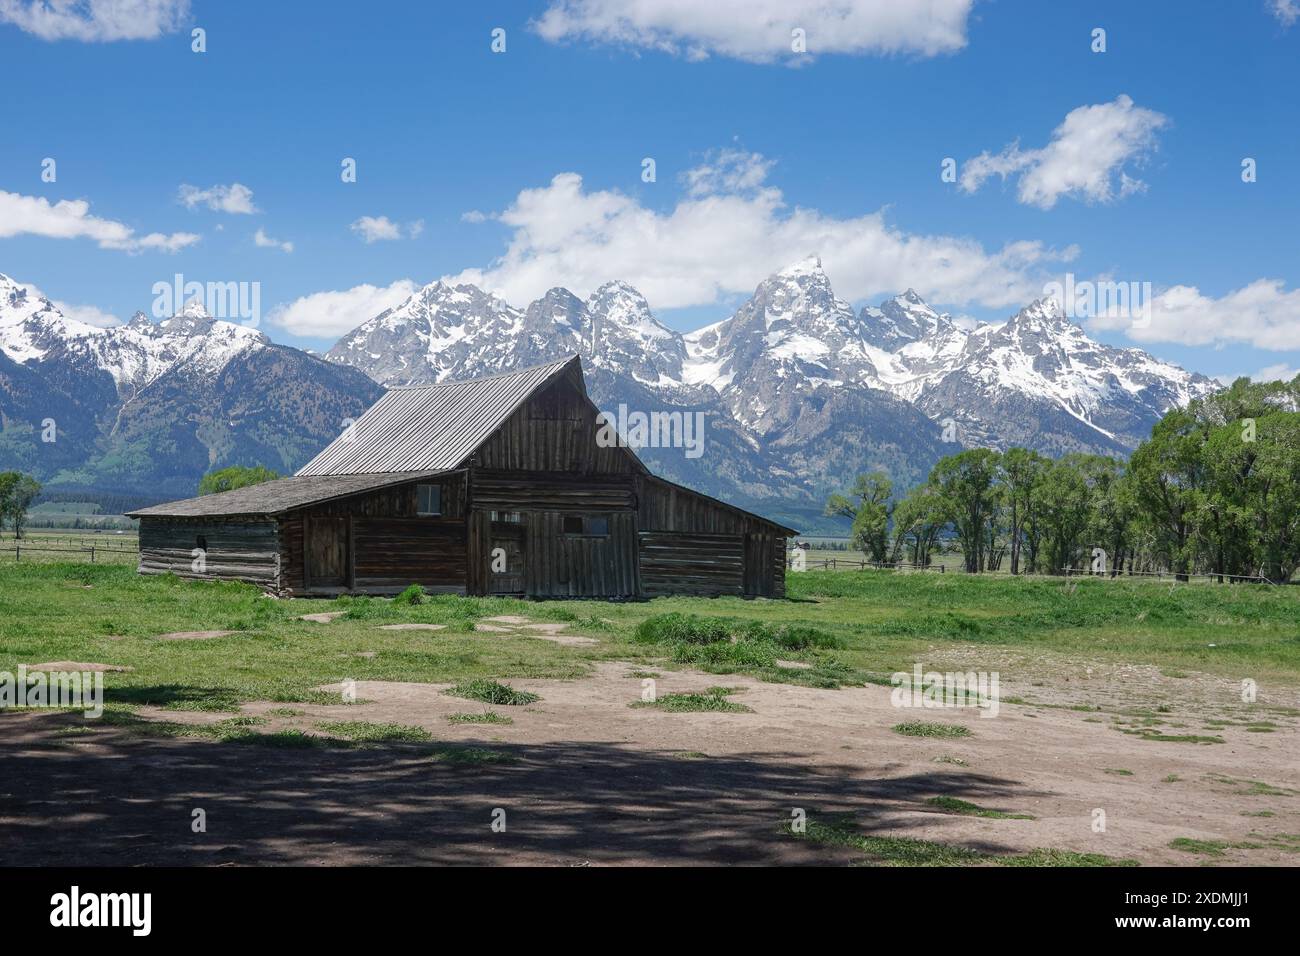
(588,779)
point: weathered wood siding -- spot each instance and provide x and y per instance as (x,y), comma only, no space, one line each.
(236,550)
(693,544)
(554,431)
(559,565)
(702,565)
(388,544)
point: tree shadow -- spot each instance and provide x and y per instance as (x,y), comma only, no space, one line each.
(114,797)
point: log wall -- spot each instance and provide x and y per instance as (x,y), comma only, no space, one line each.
(236,550)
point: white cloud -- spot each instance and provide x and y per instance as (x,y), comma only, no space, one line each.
(1286,11)
(719,243)
(381,228)
(95,21)
(760,30)
(71,219)
(89,314)
(474,215)
(260,238)
(727,170)
(1276,373)
(1262,314)
(235,198)
(327,314)
(1084,160)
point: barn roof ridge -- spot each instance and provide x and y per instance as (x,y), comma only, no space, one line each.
(556,363)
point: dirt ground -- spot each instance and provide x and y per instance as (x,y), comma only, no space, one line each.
(585,778)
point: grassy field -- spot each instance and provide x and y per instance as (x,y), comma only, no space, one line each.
(863,626)
(56,545)
(1117,693)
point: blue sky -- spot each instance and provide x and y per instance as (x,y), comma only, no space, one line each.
(836,152)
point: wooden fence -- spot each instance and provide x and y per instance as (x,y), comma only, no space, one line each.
(19,547)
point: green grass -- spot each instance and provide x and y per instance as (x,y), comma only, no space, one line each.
(850,627)
(472,756)
(906,851)
(953,805)
(491,692)
(487,717)
(714,699)
(920,728)
(365,731)
(1210,847)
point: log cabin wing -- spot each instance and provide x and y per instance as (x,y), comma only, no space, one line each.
(496,485)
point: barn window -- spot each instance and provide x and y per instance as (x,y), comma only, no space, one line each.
(428,499)
(593,527)
(510,517)
(201,542)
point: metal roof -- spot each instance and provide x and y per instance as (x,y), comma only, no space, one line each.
(431,427)
(276,497)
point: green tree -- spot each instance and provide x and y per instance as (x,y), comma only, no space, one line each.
(966,483)
(868,505)
(919,518)
(235,476)
(1020,471)
(1168,474)
(17,492)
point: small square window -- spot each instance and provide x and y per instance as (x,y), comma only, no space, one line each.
(598,526)
(572,524)
(428,499)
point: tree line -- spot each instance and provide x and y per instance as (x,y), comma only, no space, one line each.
(1214,490)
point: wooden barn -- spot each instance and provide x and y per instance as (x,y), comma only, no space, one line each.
(496,485)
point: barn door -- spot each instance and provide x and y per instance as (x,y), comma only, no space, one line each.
(506,559)
(327,552)
(759,557)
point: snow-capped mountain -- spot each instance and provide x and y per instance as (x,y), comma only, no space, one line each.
(152,406)
(802,384)
(799,391)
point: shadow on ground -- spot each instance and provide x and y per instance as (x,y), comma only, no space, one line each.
(111,797)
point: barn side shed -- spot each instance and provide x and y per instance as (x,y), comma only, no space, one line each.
(496,485)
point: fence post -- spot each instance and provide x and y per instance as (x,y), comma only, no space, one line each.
(92,554)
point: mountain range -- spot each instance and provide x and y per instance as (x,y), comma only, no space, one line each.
(798,391)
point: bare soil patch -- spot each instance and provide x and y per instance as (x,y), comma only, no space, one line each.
(586,778)
(194,635)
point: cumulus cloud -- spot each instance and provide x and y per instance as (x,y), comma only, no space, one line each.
(760,30)
(71,219)
(1286,11)
(727,170)
(1263,314)
(1085,159)
(328,314)
(261,239)
(89,314)
(381,228)
(1276,373)
(720,242)
(235,198)
(95,21)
